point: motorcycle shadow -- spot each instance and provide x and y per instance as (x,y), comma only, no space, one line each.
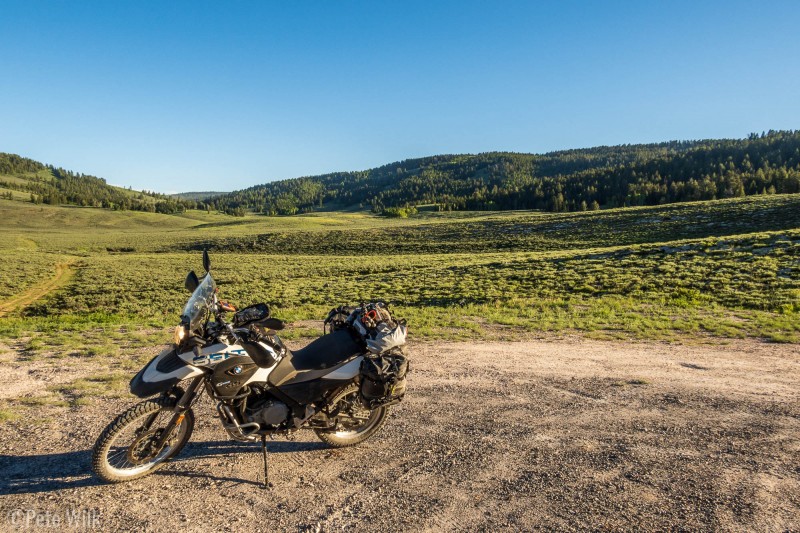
(32,474)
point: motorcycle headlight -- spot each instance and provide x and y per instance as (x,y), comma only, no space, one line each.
(180,333)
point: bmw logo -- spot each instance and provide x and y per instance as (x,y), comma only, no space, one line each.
(237,369)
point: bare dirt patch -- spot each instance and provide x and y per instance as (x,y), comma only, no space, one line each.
(569,435)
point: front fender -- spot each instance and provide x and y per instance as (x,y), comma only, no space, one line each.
(162,373)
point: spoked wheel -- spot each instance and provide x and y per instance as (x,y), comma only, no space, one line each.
(127,447)
(354,423)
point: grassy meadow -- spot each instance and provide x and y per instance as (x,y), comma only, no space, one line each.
(681,272)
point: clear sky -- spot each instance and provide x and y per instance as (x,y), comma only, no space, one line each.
(178,96)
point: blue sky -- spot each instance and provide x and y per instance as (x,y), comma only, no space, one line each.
(177,96)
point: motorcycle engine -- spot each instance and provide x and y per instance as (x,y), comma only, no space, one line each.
(267,411)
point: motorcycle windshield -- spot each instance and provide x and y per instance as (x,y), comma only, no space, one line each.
(199,302)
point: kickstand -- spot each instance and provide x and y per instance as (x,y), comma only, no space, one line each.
(266,469)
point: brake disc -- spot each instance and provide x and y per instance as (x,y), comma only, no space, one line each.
(143,448)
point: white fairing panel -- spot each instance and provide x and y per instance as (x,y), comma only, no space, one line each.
(212,355)
(347,370)
(261,375)
(152,375)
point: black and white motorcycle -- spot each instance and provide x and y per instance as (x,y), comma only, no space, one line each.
(340,385)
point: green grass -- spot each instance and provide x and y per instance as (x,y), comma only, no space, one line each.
(516,231)
(707,274)
(16,195)
(43,401)
(23,268)
(726,269)
(75,230)
(97,385)
(77,392)
(8,415)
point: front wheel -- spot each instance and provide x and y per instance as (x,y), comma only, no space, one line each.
(354,423)
(126,448)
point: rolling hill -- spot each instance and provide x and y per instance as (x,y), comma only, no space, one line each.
(197,195)
(570,180)
(565,181)
(28,180)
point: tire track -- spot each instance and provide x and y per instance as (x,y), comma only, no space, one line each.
(63,274)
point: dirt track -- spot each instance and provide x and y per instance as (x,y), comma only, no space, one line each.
(565,435)
(62,275)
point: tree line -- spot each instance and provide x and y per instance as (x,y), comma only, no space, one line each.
(570,180)
(55,186)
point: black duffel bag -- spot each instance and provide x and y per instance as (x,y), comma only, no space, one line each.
(383,378)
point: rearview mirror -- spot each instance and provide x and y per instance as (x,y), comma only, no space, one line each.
(192,282)
(206,261)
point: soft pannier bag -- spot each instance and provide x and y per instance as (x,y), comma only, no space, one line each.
(383,378)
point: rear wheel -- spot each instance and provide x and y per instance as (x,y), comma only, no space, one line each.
(354,423)
(127,447)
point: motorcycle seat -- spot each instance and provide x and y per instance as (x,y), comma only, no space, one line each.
(326,351)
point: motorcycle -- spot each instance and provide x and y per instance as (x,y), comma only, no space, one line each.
(261,388)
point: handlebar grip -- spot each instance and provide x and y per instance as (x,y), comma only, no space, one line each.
(225,306)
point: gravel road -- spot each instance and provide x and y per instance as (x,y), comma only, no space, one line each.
(564,434)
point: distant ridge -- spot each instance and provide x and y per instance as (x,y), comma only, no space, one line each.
(568,180)
(202,195)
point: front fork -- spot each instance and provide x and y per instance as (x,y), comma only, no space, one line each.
(184,402)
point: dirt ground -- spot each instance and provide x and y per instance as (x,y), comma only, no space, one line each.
(565,434)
